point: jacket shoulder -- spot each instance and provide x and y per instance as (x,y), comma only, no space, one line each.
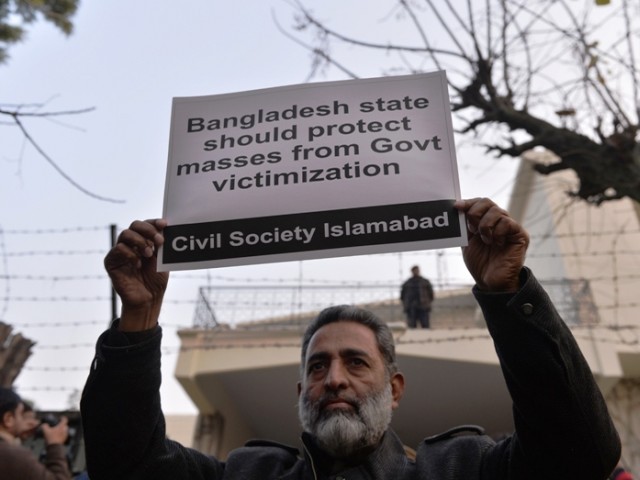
(460,430)
(460,451)
(262,459)
(268,444)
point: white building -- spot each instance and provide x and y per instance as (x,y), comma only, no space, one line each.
(594,252)
(243,379)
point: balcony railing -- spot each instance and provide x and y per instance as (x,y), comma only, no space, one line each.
(282,304)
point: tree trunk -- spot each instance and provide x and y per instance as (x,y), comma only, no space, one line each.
(14,352)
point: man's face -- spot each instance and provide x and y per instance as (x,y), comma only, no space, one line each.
(346,396)
(29,425)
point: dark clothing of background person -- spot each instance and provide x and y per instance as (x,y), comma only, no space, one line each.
(563,429)
(19,463)
(417,296)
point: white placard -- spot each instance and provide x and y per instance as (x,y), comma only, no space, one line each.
(311,171)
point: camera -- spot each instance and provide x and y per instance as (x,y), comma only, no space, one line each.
(74,444)
(52,420)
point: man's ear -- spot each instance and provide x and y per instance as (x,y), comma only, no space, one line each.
(6,420)
(397,389)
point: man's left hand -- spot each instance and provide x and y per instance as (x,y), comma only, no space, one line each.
(497,245)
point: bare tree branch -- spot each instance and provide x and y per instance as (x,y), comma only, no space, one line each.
(16,115)
(311,48)
(569,81)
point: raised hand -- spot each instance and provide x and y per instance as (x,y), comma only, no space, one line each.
(497,245)
(131,264)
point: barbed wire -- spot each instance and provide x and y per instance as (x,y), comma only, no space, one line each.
(81,323)
(97,298)
(52,278)
(53,253)
(49,388)
(68,346)
(240,304)
(63,230)
(576,330)
(584,332)
(436,339)
(5,267)
(532,254)
(76,368)
(615,336)
(270,281)
(106,228)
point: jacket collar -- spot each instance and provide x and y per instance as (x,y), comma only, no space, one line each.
(389,456)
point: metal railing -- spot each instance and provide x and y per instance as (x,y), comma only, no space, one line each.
(233,305)
(293,304)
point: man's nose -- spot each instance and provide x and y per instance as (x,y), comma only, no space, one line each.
(337,377)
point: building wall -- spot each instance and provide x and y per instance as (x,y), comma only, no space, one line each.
(571,240)
(181,428)
(624,405)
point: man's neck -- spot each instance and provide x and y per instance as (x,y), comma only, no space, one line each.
(7,437)
(353,460)
(332,465)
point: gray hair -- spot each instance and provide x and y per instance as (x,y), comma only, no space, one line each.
(349,313)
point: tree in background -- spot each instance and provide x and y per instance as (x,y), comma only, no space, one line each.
(561,75)
(15,15)
(14,352)
(14,18)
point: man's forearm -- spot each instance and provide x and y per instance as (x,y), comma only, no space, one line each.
(56,463)
(120,406)
(562,421)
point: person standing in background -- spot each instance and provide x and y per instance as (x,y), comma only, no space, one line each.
(417,296)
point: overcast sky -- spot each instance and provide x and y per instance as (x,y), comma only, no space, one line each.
(126,60)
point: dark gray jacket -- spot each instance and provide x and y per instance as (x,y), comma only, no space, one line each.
(416,292)
(563,429)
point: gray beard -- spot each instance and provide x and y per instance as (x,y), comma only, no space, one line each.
(343,433)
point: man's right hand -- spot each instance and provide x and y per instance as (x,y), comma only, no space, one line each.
(131,264)
(57,434)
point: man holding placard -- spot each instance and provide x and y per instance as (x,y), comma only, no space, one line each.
(350,384)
